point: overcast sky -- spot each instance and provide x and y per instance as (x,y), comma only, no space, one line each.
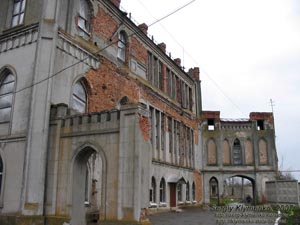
(248,52)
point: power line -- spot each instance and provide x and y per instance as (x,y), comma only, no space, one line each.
(195,61)
(82,60)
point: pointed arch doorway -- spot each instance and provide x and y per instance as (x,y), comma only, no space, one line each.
(87,179)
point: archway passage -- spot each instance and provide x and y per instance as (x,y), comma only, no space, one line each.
(239,189)
(86,187)
(214,190)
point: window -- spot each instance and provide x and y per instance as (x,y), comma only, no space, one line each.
(6,96)
(188,191)
(18,12)
(237,152)
(153,190)
(122,46)
(179,192)
(1,174)
(260,125)
(79,99)
(162,190)
(84,20)
(211,124)
(193,192)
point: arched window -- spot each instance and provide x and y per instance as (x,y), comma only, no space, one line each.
(79,98)
(153,190)
(7,85)
(193,192)
(84,19)
(162,190)
(187,191)
(179,192)
(122,46)
(1,175)
(211,152)
(18,12)
(237,152)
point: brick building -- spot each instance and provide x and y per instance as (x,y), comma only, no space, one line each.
(100,121)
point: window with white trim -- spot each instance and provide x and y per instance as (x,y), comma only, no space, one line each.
(122,46)
(79,98)
(18,12)
(84,20)
(153,190)
(7,86)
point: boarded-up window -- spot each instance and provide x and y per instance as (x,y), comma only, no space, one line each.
(211,152)
(249,152)
(263,154)
(226,152)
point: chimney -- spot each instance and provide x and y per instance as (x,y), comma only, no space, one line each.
(162,46)
(144,28)
(116,3)
(178,62)
(194,73)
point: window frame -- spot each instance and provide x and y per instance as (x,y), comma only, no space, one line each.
(122,46)
(162,191)
(4,74)
(75,96)
(2,179)
(84,14)
(19,14)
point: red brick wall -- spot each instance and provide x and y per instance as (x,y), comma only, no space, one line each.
(198,184)
(110,83)
(103,25)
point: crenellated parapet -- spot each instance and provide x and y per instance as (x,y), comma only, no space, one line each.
(70,123)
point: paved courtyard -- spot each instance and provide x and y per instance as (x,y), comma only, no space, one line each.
(188,216)
(205,216)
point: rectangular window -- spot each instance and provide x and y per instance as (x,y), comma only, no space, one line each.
(155,71)
(150,67)
(160,76)
(157,128)
(170,135)
(18,12)
(169,82)
(162,131)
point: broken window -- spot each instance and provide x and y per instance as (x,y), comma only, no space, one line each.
(260,125)
(211,124)
(18,12)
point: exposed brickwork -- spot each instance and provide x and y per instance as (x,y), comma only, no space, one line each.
(262,116)
(103,25)
(198,184)
(210,115)
(138,51)
(145,127)
(108,87)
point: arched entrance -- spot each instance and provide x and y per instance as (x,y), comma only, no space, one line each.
(86,187)
(240,189)
(214,190)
